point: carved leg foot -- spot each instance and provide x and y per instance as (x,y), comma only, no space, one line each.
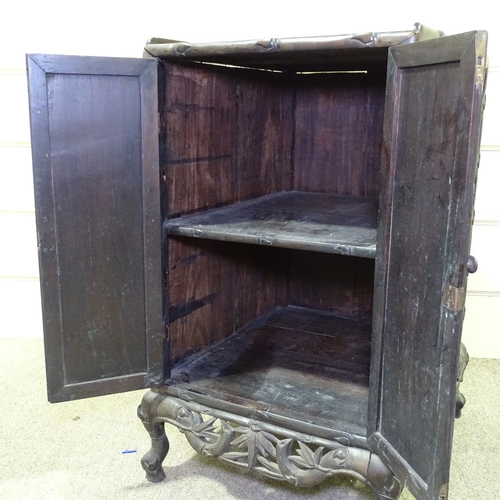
(152,460)
(381,480)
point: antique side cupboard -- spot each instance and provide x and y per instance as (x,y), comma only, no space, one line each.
(271,235)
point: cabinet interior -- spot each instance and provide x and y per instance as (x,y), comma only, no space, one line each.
(271,182)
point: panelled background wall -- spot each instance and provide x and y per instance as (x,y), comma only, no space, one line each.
(113,28)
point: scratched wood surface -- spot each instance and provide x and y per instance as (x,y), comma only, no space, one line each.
(216,287)
(198,127)
(431,156)
(320,222)
(95,164)
(200,285)
(294,362)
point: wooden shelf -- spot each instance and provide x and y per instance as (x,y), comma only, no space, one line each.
(298,363)
(307,221)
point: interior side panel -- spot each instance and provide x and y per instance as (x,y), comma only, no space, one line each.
(201,295)
(198,125)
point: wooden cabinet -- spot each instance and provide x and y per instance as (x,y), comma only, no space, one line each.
(273,235)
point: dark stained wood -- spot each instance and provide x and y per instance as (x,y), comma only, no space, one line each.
(336,283)
(214,288)
(319,222)
(217,287)
(261,281)
(294,362)
(200,286)
(229,136)
(96,188)
(198,126)
(338,136)
(227,133)
(265,134)
(431,151)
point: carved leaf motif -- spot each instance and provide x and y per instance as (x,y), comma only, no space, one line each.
(269,465)
(318,454)
(265,445)
(206,429)
(234,455)
(269,469)
(308,459)
(307,454)
(300,462)
(241,440)
(254,441)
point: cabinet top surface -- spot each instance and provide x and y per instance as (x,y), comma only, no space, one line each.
(318,53)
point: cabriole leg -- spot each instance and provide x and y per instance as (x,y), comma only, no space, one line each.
(152,460)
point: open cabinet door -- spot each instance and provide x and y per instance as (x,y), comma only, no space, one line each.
(94,127)
(431,145)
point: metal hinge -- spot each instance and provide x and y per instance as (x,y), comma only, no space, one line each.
(453,297)
(443,492)
(480,71)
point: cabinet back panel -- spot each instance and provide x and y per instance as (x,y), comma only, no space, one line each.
(231,135)
(261,281)
(330,282)
(338,133)
(265,134)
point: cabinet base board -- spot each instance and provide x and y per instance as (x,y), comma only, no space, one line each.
(253,445)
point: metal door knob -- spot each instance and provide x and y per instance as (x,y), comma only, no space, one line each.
(471,264)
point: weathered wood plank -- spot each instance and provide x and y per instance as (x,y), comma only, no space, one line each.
(95,152)
(306,53)
(261,279)
(265,132)
(319,222)
(430,157)
(294,362)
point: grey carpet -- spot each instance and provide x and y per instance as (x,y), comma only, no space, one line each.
(74,450)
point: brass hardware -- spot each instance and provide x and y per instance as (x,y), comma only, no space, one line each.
(480,71)
(443,492)
(453,298)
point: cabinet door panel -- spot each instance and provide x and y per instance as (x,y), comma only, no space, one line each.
(95,160)
(431,144)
